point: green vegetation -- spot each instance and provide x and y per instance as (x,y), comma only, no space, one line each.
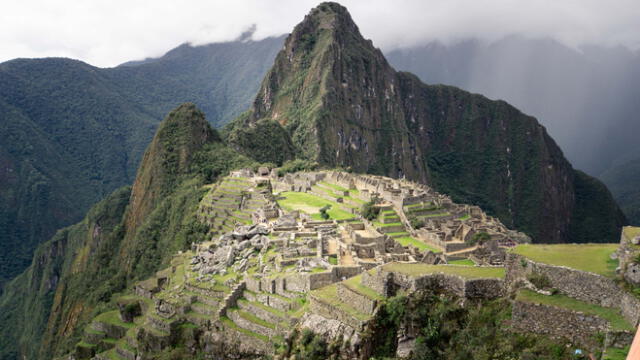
(610,314)
(408,240)
(631,232)
(145,236)
(416,222)
(587,257)
(616,354)
(623,180)
(463,262)
(355,283)
(329,295)
(231,325)
(597,218)
(73,133)
(369,210)
(311,204)
(469,272)
(479,238)
(323,212)
(447,330)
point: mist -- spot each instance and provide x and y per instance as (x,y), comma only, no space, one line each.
(587,98)
(107,33)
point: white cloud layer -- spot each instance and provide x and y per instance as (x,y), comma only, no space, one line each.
(109,32)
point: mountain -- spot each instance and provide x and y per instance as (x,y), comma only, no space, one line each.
(333,98)
(623,181)
(72,133)
(126,237)
(586,97)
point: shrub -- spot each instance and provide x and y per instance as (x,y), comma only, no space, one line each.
(416,222)
(296,165)
(369,210)
(323,212)
(540,281)
(479,238)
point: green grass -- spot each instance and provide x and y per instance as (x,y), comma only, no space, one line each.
(465,217)
(379,224)
(311,204)
(254,319)
(436,215)
(329,294)
(333,260)
(612,315)
(85,344)
(463,262)
(263,307)
(631,232)
(227,322)
(587,257)
(469,272)
(113,317)
(616,354)
(404,233)
(334,186)
(355,284)
(408,240)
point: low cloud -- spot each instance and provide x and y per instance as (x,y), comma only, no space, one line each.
(107,33)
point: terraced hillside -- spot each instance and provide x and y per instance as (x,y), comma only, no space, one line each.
(274,264)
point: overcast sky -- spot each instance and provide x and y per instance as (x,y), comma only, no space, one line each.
(109,32)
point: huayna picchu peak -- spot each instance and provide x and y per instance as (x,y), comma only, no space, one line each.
(341,104)
(353,212)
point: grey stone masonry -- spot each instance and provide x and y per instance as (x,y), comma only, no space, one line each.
(560,323)
(581,285)
(232,298)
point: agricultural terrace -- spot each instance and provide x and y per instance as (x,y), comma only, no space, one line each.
(613,316)
(311,205)
(595,258)
(468,272)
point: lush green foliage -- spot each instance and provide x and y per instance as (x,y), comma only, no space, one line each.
(479,238)
(296,165)
(612,315)
(72,133)
(78,266)
(447,330)
(369,210)
(596,218)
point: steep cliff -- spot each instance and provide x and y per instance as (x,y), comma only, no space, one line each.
(341,104)
(128,236)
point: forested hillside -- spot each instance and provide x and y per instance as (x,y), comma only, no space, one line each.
(72,133)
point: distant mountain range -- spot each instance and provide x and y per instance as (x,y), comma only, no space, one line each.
(72,133)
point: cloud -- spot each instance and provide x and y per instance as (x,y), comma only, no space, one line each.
(106,33)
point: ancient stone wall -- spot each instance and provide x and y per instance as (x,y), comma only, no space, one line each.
(559,323)
(345,272)
(484,288)
(318,280)
(355,300)
(250,325)
(377,280)
(320,307)
(581,285)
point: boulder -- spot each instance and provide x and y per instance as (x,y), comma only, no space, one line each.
(632,274)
